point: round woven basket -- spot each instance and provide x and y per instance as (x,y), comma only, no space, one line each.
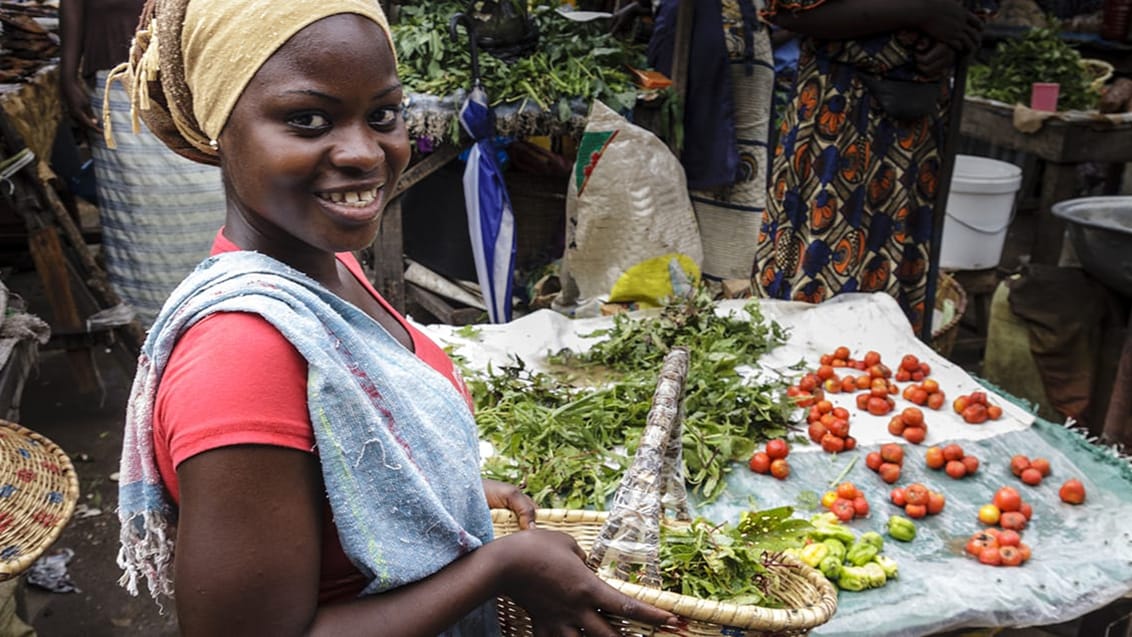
(949,292)
(1097,71)
(38,492)
(810,599)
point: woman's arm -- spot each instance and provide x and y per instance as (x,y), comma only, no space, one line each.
(76,97)
(945,20)
(249,544)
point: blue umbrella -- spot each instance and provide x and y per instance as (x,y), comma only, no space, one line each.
(491,222)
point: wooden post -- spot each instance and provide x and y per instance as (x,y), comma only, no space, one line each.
(389,257)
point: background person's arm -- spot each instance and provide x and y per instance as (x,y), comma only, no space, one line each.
(72,89)
(944,20)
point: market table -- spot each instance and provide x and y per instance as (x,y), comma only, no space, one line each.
(1082,556)
(1063,142)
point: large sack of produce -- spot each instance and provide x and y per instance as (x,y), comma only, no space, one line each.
(631,233)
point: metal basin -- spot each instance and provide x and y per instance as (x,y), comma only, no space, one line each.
(1100,229)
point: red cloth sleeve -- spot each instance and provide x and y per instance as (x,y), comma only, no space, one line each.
(232,379)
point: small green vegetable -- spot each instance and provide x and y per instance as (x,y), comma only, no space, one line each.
(831,568)
(876,575)
(837,548)
(861,553)
(853,578)
(901,528)
(891,569)
(813,554)
(873,538)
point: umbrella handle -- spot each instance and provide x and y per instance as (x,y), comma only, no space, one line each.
(469,26)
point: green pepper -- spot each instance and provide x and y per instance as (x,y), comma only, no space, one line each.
(824,530)
(901,528)
(837,548)
(861,553)
(876,575)
(891,570)
(813,554)
(853,578)
(831,567)
(873,538)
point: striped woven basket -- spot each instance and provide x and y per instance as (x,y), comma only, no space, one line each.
(38,492)
(629,536)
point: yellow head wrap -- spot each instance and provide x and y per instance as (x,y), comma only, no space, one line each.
(192,59)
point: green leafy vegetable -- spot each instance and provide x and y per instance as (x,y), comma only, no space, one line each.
(1038,56)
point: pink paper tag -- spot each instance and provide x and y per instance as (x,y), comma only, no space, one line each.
(1043,96)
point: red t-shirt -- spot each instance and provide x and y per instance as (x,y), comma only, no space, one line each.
(256,387)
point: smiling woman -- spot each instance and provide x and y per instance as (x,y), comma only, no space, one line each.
(298,459)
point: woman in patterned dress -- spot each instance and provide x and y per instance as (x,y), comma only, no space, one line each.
(854,179)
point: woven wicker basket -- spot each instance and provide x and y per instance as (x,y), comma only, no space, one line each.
(943,339)
(652,484)
(38,492)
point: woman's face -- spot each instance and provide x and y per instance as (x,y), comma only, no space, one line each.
(316,143)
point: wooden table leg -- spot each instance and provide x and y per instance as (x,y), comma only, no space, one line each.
(389,257)
(1118,417)
(1059,184)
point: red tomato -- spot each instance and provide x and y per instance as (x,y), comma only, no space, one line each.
(896,426)
(892,452)
(850,443)
(956,469)
(1024,549)
(902,375)
(915,511)
(842,353)
(832,443)
(930,385)
(816,431)
(760,462)
(779,468)
(1007,499)
(1012,520)
(889,472)
(825,372)
(863,401)
(1010,555)
(843,509)
(1042,465)
(1072,492)
(1026,510)
(847,490)
(1009,537)
(809,382)
(871,358)
(824,406)
(980,541)
(994,412)
(860,506)
(917,493)
(953,452)
(910,363)
(960,404)
(831,386)
(839,428)
(826,359)
(912,416)
(777,448)
(975,414)
(979,398)
(990,556)
(873,460)
(848,384)
(841,412)
(925,368)
(1018,464)
(898,498)
(915,435)
(1031,476)
(933,458)
(936,502)
(935,401)
(971,463)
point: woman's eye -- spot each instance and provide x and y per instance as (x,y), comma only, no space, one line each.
(309,121)
(385,117)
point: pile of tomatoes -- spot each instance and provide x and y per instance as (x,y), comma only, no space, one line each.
(772,459)
(1007,510)
(952,459)
(847,502)
(975,408)
(925,394)
(910,425)
(996,547)
(912,369)
(1029,471)
(829,427)
(888,462)
(917,500)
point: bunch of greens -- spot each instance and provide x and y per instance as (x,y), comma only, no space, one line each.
(1038,56)
(569,445)
(729,563)
(573,60)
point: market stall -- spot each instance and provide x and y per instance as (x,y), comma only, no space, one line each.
(1081,554)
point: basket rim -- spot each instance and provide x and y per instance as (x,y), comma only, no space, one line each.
(13,567)
(960,304)
(743,616)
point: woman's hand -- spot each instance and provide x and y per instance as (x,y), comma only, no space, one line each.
(936,61)
(76,99)
(948,22)
(548,577)
(501,495)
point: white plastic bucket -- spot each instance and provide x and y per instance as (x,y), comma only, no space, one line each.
(980,207)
